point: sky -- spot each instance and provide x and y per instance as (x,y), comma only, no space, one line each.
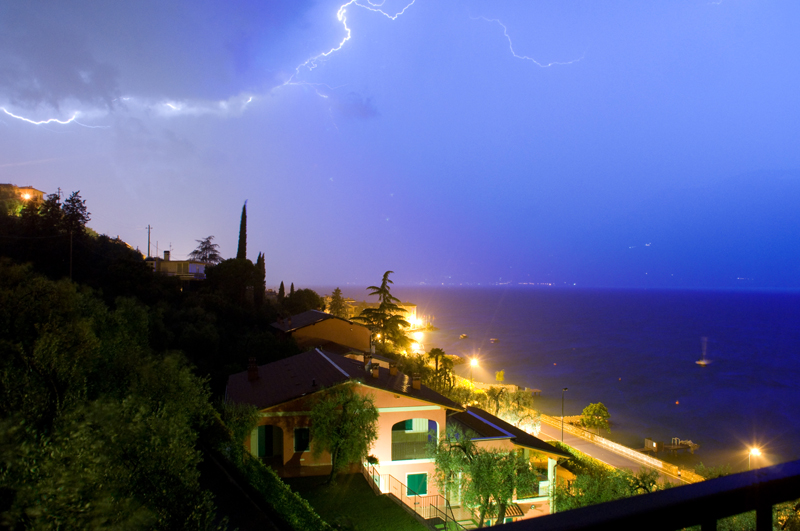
(588,143)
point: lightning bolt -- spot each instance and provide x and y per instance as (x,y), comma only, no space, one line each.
(525,57)
(341,16)
(53,120)
(42,122)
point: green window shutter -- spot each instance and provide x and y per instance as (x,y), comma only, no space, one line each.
(417,484)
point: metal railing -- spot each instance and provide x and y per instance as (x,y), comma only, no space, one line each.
(685,475)
(428,507)
(409,450)
(697,504)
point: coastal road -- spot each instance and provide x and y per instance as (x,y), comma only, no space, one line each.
(549,432)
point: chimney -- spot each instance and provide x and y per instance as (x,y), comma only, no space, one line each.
(166,256)
(392,368)
(367,361)
(415,381)
(252,370)
(376,370)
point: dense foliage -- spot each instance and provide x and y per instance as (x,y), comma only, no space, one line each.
(484,478)
(97,431)
(106,383)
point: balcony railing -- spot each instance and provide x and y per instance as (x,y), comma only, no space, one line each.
(698,504)
(409,450)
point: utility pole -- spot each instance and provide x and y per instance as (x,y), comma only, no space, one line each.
(148,240)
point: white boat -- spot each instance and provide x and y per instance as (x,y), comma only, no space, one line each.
(703,361)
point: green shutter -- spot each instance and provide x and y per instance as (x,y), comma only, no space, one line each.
(262,441)
(417,484)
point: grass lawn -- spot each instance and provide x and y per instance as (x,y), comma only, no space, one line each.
(351,503)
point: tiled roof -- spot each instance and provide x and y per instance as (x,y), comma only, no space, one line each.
(291,378)
(307,318)
(487,426)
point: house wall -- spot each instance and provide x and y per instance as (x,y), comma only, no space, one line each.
(392,408)
(337,331)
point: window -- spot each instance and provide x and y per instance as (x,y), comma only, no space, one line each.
(302,437)
(410,438)
(417,484)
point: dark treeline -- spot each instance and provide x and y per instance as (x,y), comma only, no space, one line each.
(217,323)
(107,380)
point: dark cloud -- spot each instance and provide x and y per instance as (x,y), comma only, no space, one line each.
(47,64)
(93,52)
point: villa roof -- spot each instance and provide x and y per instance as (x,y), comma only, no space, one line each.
(486,426)
(307,318)
(304,374)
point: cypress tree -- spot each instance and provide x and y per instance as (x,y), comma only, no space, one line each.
(291,289)
(261,282)
(281,293)
(241,253)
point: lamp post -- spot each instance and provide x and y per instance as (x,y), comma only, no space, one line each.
(754,452)
(472,364)
(562,413)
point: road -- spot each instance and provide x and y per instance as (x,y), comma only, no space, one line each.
(605,455)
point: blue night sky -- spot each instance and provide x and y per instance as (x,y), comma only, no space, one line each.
(625,143)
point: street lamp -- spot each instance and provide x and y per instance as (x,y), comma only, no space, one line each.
(472,364)
(754,452)
(562,413)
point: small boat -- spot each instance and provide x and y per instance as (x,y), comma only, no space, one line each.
(494,340)
(703,361)
(463,336)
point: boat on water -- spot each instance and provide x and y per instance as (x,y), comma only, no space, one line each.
(494,340)
(703,361)
(463,336)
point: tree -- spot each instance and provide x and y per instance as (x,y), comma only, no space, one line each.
(386,320)
(596,416)
(518,409)
(500,376)
(345,424)
(281,293)
(206,252)
(442,379)
(51,212)
(261,280)
(75,216)
(302,300)
(241,252)
(486,478)
(337,305)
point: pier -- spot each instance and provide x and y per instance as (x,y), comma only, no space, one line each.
(675,446)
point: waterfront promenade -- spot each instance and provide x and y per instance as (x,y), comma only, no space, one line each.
(608,452)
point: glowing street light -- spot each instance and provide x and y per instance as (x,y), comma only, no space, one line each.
(472,364)
(754,452)
(562,413)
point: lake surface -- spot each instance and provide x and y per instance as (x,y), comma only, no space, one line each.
(635,351)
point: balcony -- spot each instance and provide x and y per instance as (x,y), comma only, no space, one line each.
(698,504)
